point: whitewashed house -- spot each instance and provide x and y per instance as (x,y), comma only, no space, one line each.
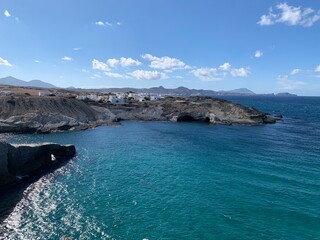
(42,94)
(5,93)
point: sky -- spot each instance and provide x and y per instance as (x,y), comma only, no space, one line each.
(266,46)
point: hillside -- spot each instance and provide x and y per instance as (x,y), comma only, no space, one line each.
(46,114)
(11,81)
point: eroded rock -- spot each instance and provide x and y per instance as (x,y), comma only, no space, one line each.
(18,161)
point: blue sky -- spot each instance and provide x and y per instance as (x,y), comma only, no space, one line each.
(266,46)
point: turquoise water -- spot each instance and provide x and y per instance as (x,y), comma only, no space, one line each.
(159,180)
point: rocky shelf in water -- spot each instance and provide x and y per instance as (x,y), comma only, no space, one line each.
(49,114)
(20,162)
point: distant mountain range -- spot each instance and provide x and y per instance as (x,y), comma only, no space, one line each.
(183,91)
(11,81)
(180,91)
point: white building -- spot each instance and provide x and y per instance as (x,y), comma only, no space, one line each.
(6,93)
(42,94)
(116,100)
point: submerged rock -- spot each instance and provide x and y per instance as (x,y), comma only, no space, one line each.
(18,161)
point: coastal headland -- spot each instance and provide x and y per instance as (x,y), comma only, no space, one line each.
(27,114)
(51,112)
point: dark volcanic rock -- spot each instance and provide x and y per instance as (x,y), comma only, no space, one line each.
(47,114)
(28,159)
(5,176)
(202,109)
(17,161)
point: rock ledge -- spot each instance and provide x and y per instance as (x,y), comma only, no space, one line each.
(21,161)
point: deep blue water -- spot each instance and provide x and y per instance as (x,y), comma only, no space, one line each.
(159,180)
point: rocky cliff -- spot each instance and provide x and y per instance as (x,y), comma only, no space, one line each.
(21,161)
(46,114)
(203,109)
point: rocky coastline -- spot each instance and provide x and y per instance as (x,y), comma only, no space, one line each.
(20,162)
(192,109)
(31,114)
(26,114)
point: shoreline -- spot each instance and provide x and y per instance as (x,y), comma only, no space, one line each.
(54,114)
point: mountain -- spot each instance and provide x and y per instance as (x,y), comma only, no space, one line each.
(180,91)
(11,81)
(285,94)
(242,91)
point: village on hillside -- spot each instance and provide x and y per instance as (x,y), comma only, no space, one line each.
(117,98)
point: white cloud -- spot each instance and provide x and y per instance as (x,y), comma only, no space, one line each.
(287,84)
(76,48)
(96,76)
(6,13)
(36,61)
(225,67)
(115,75)
(317,69)
(103,24)
(119,23)
(100,23)
(148,75)
(165,62)
(5,62)
(66,58)
(258,54)
(99,65)
(123,62)
(296,71)
(112,62)
(290,15)
(128,62)
(206,74)
(239,72)
(218,74)
(84,70)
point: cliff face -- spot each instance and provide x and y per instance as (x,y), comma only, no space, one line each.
(204,109)
(45,114)
(18,161)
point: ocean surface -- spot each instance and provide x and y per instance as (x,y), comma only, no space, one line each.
(161,180)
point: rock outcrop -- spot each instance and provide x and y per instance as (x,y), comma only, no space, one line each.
(202,109)
(48,114)
(20,161)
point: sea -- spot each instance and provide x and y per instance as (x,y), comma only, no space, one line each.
(164,180)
